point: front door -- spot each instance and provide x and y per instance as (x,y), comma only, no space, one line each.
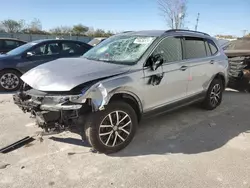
(171,79)
(39,55)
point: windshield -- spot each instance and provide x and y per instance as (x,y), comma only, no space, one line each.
(240,44)
(21,49)
(120,49)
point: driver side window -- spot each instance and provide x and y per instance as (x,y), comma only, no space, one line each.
(46,49)
(170,49)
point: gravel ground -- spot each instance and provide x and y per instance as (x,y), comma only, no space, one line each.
(186,148)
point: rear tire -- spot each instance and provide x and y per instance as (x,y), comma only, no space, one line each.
(104,132)
(214,95)
(10,80)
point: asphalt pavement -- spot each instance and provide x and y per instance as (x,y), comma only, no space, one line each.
(190,147)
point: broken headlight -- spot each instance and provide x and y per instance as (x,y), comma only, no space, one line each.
(97,93)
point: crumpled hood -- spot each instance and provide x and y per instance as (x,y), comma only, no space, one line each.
(66,73)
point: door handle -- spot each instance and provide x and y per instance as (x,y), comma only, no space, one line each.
(212,62)
(183,68)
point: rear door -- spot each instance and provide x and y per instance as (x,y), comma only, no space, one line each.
(173,75)
(198,56)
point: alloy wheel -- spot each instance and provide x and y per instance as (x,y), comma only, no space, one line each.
(9,81)
(115,128)
(215,95)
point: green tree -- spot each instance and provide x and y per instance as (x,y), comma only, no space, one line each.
(80,29)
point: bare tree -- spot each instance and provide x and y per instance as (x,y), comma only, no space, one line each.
(35,25)
(174,12)
(12,26)
(62,30)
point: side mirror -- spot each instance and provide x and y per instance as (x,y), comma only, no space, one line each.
(29,54)
(155,61)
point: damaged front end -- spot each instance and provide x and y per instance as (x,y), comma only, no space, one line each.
(239,71)
(59,111)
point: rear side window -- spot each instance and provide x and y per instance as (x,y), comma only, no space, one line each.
(21,43)
(1,44)
(11,44)
(208,49)
(170,48)
(71,48)
(194,48)
(213,47)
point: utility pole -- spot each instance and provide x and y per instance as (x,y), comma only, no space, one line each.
(244,32)
(197,21)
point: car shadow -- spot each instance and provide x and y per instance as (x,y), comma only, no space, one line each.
(6,93)
(189,130)
(73,141)
(200,131)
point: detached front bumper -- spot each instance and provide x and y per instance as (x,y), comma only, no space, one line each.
(44,103)
(51,112)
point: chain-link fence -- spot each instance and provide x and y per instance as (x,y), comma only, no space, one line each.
(32,37)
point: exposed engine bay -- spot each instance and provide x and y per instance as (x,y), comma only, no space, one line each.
(239,71)
(238,53)
(239,67)
(56,112)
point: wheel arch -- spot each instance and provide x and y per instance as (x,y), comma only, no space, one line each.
(13,69)
(221,76)
(130,98)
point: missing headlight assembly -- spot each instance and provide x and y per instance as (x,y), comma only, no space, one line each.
(60,112)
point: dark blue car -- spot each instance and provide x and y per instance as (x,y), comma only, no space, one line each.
(19,60)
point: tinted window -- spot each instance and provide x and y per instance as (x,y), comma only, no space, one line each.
(213,47)
(1,44)
(170,48)
(11,44)
(21,43)
(195,48)
(71,48)
(46,49)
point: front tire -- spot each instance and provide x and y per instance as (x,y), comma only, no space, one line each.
(10,80)
(214,95)
(112,129)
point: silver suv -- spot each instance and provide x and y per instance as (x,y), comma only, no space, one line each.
(104,94)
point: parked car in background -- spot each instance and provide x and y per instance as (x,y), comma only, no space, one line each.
(96,41)
(19,60)
(7,44)
(104,94)
(238,52)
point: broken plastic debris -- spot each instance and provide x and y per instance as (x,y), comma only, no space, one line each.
(99,97)
(212,124)
(17,144)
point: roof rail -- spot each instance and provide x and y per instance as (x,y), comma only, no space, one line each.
(126,31)
(186,30)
